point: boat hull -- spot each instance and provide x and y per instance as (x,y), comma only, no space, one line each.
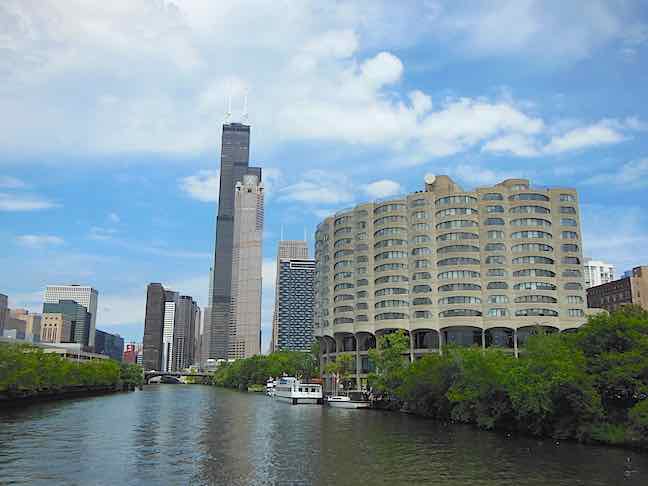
(298,400)
(348,404)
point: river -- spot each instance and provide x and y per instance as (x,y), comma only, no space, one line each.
(193,434)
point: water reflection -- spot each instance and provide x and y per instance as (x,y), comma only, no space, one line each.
(174,434)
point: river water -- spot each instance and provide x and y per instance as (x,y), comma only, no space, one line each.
(193,434)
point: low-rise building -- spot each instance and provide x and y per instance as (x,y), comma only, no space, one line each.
(632,289)
(55,328)
(14,328)
(32,323)
(108,344)
(4,311)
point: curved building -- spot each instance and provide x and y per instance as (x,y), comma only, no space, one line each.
(481,268)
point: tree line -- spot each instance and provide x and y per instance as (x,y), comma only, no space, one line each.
(25,368)
(591,385)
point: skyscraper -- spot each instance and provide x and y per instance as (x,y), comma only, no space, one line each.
(245,320)
(168,329)
(235,152)
(4,312)
(292,320)
(84,295)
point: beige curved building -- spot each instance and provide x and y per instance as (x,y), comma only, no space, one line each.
(481,268)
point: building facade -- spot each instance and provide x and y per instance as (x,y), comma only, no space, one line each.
(77,315)
(247,260)
(186,313)
(55,328)
(84,295)
(632,289)
(154,327)
(292,320)
(111,345)
(597,272)
(480,268)
(32,323)
(4,311)
(168,329)
(130,353)
(234,165)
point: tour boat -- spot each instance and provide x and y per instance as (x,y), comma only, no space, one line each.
(352,400)
(291,390)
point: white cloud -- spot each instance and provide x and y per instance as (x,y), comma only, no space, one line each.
(202,186)
(39,241)
(114,218)
(101,234)
(601,133)
(19,202)
(7,182)
(551,32)
(382,188)
(308,76)
(319,187)
(631,175)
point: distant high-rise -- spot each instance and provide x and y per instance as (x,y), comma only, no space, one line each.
(245,315)
(154,327)
(597,272)
(168,329)
(235,152)
(292,320)
(84,295)
(32,323)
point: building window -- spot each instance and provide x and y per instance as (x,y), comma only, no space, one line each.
(532,260)
(568,222)
(536,312)
(497,285)
(569,247)
(530,210)
(458,275)
(495,247)
(571,260)
(455,212)
(456,223)
(567,210)
(459,236)
(422,301)
(460,313)
(492,196)
(495,260)
(459,286)
(498,299)
(458,261)
(496,272)
(494,221)
(534,286)
(531,222)
(458,249)
(531,234)
(456,200)
(497,312)
(459,299)
(532,299)
(528,196)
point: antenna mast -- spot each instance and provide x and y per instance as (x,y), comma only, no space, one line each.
(245,106)
(228,114)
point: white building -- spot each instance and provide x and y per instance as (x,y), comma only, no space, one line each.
(245,322)
(597,272)
(86,296)
(167,333)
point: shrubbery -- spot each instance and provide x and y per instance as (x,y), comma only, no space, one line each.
(590,386)
(28,368)
(257,369)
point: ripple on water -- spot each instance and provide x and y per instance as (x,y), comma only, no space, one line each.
(174,434)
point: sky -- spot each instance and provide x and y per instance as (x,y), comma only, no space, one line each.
(111,113)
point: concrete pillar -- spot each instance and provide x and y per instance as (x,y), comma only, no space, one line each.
(357,354)
(441,342)
(483,338)
(515,342)
(411,343)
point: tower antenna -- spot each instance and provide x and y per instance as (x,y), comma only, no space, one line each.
(228,114)
(245,106)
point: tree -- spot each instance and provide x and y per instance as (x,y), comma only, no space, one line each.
(389,362)
(339,369)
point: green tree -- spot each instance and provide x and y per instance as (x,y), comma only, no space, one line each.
(340,369)
(389,362)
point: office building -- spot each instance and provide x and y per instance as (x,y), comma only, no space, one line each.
(632,289)
(169,326)
(245,316)
(186,313)
(167,334)
(130,353)
(234,165)
(597,272)
(292,320)
(15,328)
(4,311)
(108,344)
(84,295)
(77,315)
(483,268)
(32,323)
(55,328)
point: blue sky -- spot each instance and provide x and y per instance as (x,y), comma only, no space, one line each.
(111,115)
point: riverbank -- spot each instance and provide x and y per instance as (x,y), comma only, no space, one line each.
(29,374)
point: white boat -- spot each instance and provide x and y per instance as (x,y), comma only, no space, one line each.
(291,390)
(352,400)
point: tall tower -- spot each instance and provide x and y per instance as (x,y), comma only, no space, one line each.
(287,250)
(245,323)
(235,153)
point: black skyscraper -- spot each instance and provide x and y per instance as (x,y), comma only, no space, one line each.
(235,153)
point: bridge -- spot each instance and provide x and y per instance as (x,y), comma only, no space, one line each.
(148,375)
